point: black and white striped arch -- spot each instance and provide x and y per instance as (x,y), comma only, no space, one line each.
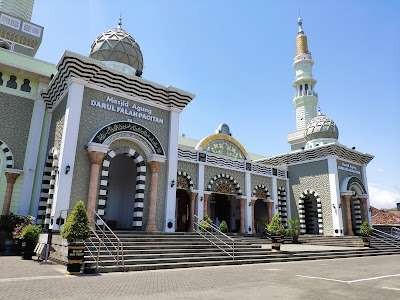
(282,206)
(216,178)
(137,221)
(260,191)
(47,188)
(8,154)
(302,211)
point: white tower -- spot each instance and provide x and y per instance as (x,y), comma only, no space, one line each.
(305,99)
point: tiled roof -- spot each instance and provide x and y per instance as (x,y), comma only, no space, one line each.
(380,216)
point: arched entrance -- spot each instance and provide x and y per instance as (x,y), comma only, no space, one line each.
(225,203)
(183,210)
(310,213)
(184,203)
(262,208)
(261,216)
(121,192)
(354,203)
(123,174)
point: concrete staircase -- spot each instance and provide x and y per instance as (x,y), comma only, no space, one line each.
(144,251)
(337,241)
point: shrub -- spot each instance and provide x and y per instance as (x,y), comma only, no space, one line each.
(294,227)
(205,224)
(223,227)
(275,227)
(30,233)
(365,229)
(76,226)
(10,223)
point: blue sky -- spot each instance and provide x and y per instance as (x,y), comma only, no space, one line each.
(236,56)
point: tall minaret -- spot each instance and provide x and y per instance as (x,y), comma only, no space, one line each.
(305,99)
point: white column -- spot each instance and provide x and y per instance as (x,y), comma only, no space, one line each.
(42,156)
(365,182)
(334,188)
(200,197)
(274,195)
(67,150)
(31,154)
(248,208)
(170,206)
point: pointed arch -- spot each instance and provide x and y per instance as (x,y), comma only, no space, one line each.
(184,181)
(260,191)
(224,183)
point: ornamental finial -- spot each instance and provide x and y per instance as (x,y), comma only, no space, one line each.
(300,23)
(120,21)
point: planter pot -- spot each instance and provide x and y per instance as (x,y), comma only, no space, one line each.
(28,248)
(295,239)
(75,257)
(18,246)
(366,241)
(276,241)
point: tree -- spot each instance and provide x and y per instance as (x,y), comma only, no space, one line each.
(275,227)
(77,225)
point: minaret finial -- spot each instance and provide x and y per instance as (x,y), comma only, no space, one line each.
(120,21)
(300,23)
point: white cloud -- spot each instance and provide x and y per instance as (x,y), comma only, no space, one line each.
(383,197)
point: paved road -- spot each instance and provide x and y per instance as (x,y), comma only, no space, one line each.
(357,278)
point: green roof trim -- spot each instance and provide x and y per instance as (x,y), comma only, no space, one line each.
(27,63)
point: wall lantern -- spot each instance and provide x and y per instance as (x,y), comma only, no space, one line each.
(67,169)
(172,183)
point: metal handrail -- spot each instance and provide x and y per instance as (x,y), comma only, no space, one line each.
(119,247)
(96,259)
(386,238)
(395,231)
(197,229)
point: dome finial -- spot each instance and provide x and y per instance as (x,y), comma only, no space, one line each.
(120,21)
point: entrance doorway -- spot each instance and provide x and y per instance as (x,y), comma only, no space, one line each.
(183,210)
(311,214)
(121,192)
(225,208)
(260,216)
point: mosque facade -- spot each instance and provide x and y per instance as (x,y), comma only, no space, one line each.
(91,128)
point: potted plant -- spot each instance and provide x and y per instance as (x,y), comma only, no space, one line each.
(30,236)
(294,230)
(276,231)
(75,231)
(205,224)
(365,232)
(223,227)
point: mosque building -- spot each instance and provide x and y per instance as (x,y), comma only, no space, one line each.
(92,128)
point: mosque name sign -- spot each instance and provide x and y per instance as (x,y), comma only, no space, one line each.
(349,168)
(125,108)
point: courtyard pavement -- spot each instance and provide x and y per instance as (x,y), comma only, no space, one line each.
(349,278)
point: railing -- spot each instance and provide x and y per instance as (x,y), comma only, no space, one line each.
(89,243)
(395,231)
(215,237)
(103,228)
(386,238)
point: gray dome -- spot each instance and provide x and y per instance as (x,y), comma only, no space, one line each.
(321,127)
(223,128)
(118,46)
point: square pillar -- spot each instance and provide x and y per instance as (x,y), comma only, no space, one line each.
(62,194)
(172,169)
(31,154)
(337,220)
